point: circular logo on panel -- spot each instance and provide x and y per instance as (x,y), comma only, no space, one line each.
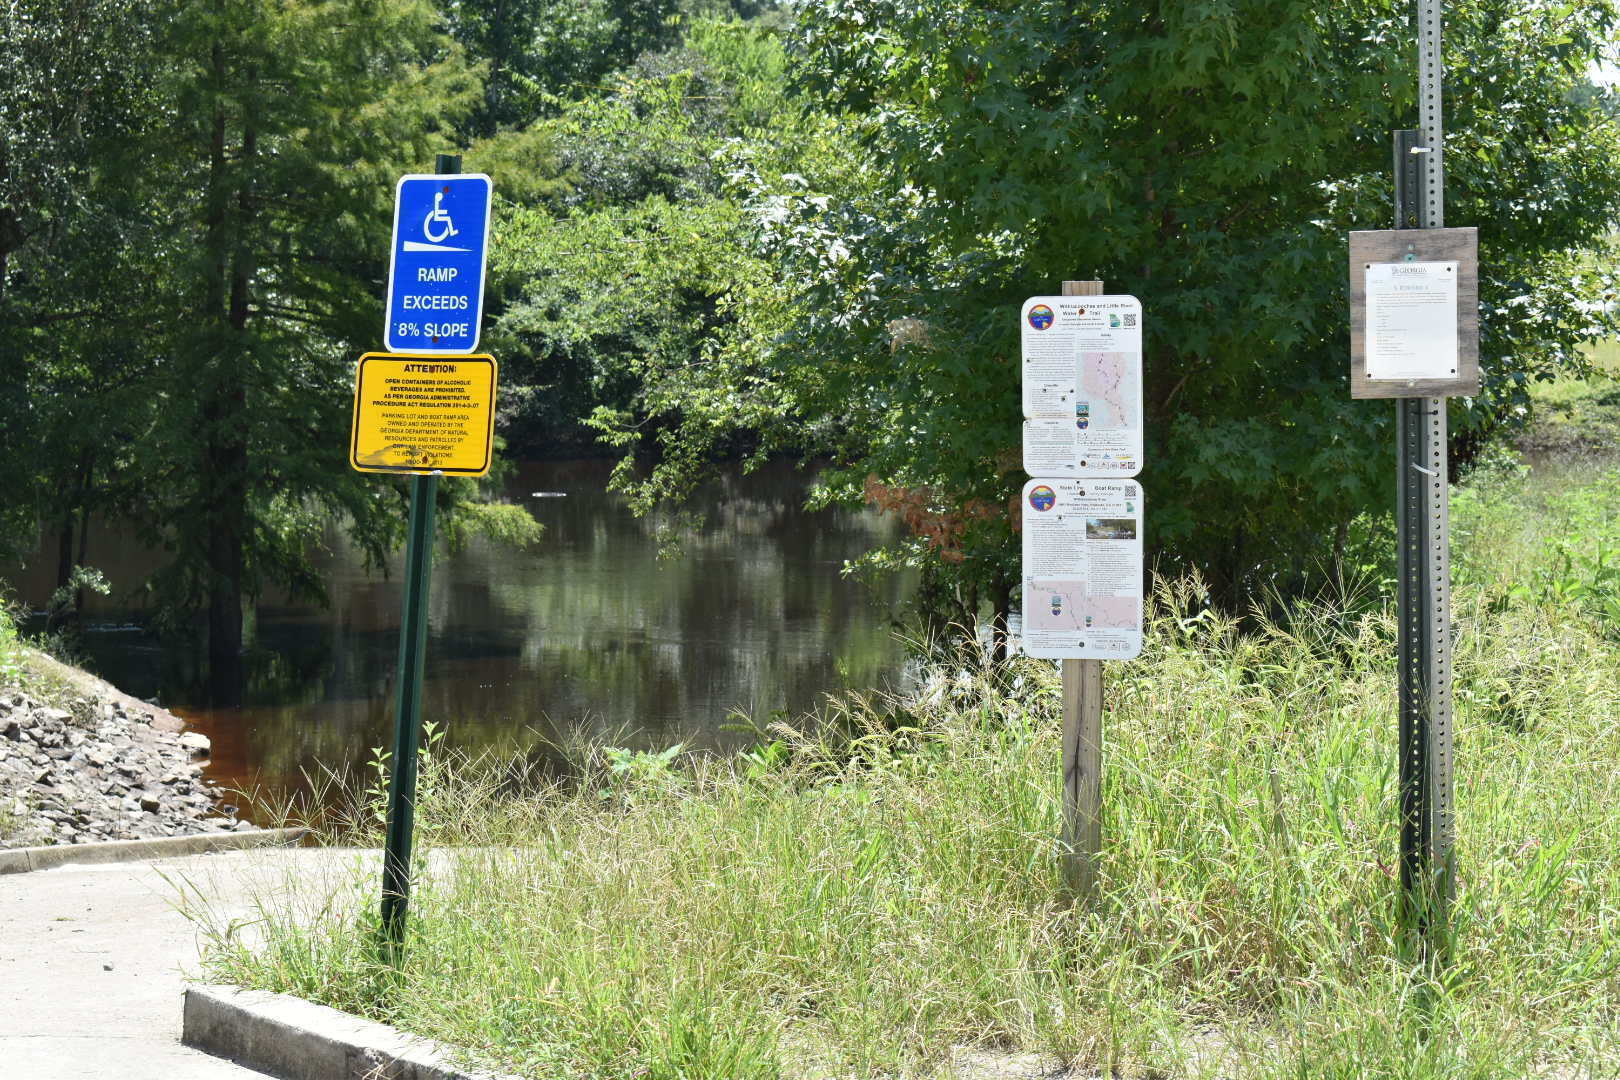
(1040,316)
(1042,498)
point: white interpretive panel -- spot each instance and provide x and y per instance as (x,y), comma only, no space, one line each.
(1082,571)
(1082,361)
(1412,320)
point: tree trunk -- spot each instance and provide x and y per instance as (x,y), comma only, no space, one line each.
(1001,602)
(224,459)
(84,535)
(64,549)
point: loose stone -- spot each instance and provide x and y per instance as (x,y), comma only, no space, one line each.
(99,771)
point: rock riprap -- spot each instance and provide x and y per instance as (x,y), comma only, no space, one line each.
(100,771)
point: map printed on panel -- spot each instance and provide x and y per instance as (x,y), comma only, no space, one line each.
(1082,573)
(1082,360)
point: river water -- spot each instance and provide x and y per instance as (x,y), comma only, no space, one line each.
(591,633)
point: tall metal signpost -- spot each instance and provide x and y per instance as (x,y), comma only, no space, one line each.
(1082,511)
(425,408)
(1414,294)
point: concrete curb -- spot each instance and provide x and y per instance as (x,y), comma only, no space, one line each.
(296,1039)
(23,860)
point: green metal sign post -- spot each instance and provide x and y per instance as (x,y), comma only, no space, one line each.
(396,892)
(408,712)
(1427,857)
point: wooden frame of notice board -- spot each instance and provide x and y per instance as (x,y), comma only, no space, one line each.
(1422,246)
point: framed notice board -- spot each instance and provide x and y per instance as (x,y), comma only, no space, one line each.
(1414,313)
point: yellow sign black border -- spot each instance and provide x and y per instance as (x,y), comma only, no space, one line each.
(427,358)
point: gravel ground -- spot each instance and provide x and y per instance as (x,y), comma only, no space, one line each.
(101,766)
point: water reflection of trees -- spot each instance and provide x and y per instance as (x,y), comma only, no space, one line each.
(591,635)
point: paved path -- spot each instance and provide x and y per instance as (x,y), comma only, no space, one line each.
(91,961)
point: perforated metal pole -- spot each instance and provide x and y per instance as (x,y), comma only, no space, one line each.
(1424,560)
(1082,746)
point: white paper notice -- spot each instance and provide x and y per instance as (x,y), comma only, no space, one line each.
(1412,320)
(1082,579)
(1082,385)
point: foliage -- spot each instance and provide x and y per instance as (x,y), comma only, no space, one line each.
(187,322)
(544,52)
(1579,414)
(373,801)
(76,249)
(632,775)
(617,292)
(740,227)
(1552,539)
(1210,169)
(502,522)
(291,121)
(66,599)
(11,650)
(880,913)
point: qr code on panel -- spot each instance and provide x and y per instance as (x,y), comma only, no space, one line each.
(1130,320)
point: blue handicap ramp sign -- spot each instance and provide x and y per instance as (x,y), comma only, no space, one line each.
(436,266)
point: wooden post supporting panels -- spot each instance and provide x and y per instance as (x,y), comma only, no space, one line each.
(1082,746)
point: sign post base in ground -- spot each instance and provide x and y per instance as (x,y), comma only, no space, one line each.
(1082,775)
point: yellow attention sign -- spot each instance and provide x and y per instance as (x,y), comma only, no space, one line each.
(423,414)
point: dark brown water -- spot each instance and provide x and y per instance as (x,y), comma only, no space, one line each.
(590,632)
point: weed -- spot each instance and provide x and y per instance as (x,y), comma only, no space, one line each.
(12,653)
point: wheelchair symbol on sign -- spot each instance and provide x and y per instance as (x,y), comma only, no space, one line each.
(438,216)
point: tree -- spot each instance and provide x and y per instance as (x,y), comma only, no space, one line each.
(1208,158)
(544,53)
(286,122)
(76,246)
(624,276)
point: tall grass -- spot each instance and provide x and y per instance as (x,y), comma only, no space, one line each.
(1606,355)
(863,906)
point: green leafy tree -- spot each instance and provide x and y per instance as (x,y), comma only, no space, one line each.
(76,252)
(1208,158)
(194,209)
(624,277)
(286,122)
(543,53)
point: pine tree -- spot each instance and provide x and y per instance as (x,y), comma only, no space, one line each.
(287,123)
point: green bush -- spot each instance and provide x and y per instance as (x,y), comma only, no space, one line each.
(11,649)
